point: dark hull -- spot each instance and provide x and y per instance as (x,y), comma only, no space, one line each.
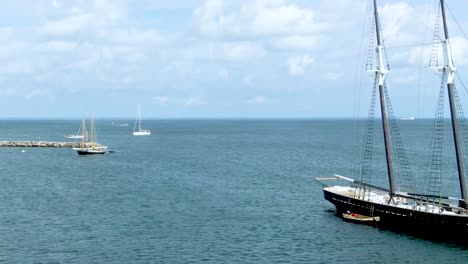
(449,228)
(84,152)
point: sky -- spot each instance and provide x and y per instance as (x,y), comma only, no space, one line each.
(216,58)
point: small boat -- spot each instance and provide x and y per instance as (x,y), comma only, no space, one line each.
(358,218)
(140,132)
(407,118)
(120,124)
(89,147)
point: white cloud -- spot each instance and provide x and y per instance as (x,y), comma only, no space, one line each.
(299,42)
(257,100)
(11,45)
(236,51)
(161,99)
(56,4)
(88,56)
(76,10)
(194,101)
(248,80)
(256,18)
(298,64)
(17,67)
(422,55)
(459,50)
(68,25)
(243,51)
(131,36)
(59,45)
(334,76)
(8,91)
(210,17)
(404,75)
(84,16)
(36,92)
(109,12)
(99,34)
(13,49)
(401,24)
(223,74)
(6,33)
(235,45)
(277,17)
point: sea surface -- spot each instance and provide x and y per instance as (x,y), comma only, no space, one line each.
(211,191)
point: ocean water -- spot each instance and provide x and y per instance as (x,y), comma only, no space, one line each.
(211,191)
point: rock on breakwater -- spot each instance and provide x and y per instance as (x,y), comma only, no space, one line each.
(39,144)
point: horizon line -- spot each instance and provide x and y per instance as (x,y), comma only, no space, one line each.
(199,118)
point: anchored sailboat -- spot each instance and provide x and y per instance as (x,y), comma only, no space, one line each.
(429,213)
(140,132)
(78,135)
(89,146)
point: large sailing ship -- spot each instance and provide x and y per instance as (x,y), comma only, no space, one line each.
(428,213)
(89,146)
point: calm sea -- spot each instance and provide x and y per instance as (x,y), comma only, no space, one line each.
(212,191)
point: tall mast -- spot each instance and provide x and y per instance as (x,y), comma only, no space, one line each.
(139,117)
(83,132)
(381,73)
(92,128)
(449,74)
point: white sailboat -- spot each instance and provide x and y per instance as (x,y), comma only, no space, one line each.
(89,146)
(140,132)
(78,135)
(71,136)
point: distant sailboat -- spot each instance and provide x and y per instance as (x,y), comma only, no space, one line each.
(120,124)
(140,132)
(89,146)
(73,136)
(78,135)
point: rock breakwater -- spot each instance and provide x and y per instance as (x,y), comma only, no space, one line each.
(39,144)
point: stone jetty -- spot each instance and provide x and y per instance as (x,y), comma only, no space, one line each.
(39,144)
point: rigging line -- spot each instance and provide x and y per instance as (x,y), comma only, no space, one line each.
(384,49)
(419,86)
(414,45)
(456,21)
(432,180)
(428,28)
(423,44)
(418,110)
(462,83)
(404,174)
(357,88)
(368,138)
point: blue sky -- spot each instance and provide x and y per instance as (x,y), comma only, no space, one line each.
(213,58)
